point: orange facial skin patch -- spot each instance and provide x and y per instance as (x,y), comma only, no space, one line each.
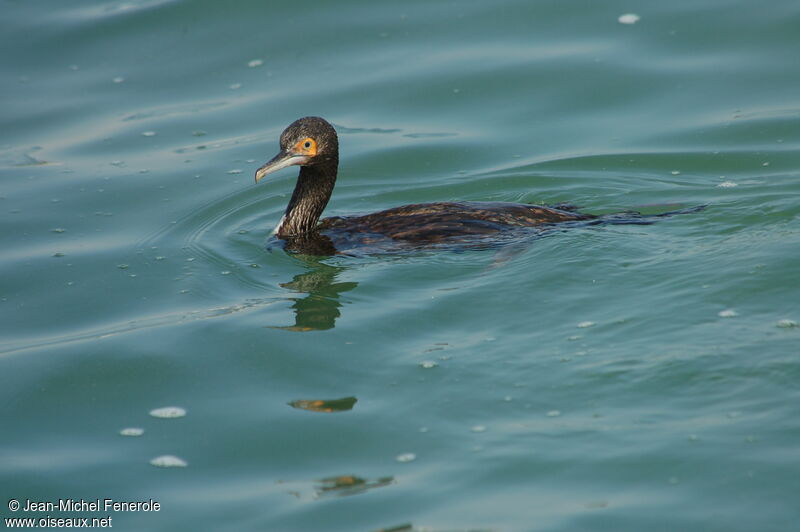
(307,146)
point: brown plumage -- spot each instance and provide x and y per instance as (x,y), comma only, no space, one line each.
(439,222)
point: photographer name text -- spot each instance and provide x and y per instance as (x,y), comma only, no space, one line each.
(95,505)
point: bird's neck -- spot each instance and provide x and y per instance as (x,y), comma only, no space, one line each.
(311,194)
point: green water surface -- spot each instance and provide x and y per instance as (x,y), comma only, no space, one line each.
(606,378)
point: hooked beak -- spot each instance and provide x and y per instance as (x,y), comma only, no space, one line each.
(280,161)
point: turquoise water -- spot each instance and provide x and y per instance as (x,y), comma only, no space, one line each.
(602,378)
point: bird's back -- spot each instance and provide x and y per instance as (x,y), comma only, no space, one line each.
(445,221)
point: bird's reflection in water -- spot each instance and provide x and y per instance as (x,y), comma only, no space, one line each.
(349,485)
(339,486)
(408,527)
(319,308)
(326,406)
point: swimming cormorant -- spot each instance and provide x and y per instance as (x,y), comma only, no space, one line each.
(312,144)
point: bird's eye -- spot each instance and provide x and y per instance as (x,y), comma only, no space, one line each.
(306,146)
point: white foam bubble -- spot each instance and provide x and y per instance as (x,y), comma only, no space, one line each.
(168,460)
(629,18)
(168,412)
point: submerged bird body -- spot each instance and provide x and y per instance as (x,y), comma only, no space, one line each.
(441,222)
(311,143)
